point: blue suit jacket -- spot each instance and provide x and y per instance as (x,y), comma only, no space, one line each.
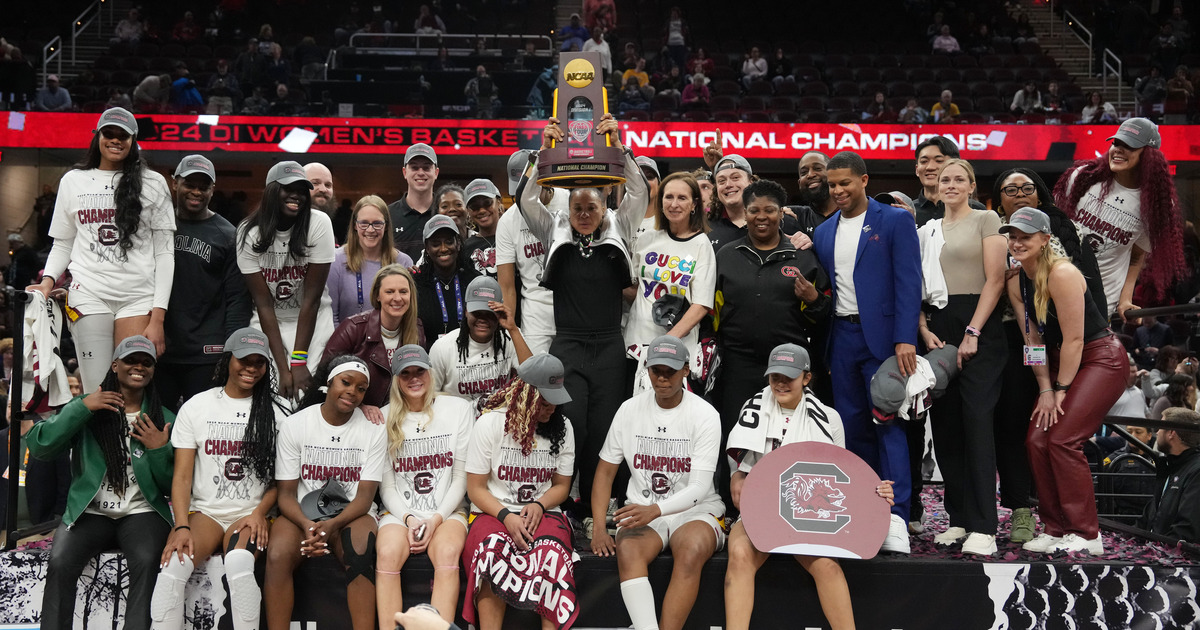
(887,275)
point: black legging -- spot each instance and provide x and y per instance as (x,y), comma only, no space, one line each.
(1018,394)
(140,537)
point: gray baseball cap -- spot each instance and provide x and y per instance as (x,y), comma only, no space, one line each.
(733,160)
(408,356)
(247,341)
(788,359)
(1028,220)
(288,173)
(888,387)
(545,372)
(482,290)
(325,503)
(516,167)
(134,345)
(192,164)
(118,117)
(438,222)
(894,197)
(420,150)
(667,350)
(944,363)
(481,188)
(648,163)
(1138,133)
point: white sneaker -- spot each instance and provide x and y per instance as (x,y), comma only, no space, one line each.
(897,537)
(950,536)
(1074,543)
(1043,543)
(980,544)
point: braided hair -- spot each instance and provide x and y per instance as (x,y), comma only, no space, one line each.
(128,195)
(520,400)
(258,443)
(111,430)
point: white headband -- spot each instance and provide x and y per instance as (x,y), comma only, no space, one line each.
(350,366)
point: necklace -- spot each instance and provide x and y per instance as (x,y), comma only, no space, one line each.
(585,243)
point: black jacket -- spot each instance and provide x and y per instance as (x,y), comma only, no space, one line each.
(757,305)
(1177,511)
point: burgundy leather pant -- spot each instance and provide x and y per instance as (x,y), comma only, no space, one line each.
(1067,503)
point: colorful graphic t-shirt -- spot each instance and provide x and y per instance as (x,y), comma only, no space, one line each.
(663,264)
(1111,226)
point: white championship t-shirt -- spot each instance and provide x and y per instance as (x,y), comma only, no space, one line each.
(85,215)
(428,474)
(664,446)
(108,502)
(312,450)
(663,264)
(513,478)
(845,253)
(481,375)
(286,276)
(1111,227)
(223,485)
(516,244)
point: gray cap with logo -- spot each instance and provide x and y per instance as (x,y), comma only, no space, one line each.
(408,356)
(1027,220)
(789,359)
(438,222)
(667,350)
(287,173)
(134,345)
(545,372)
(733,160)
(516,167)
(420,150)
(482,290)
(1138,133)
(247,341)
(118,117)
(193,164)
(481,188)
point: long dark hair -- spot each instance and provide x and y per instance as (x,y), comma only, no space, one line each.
(318,388)
(258,443)
(1159,207)
(128,195)
(499,341)
(1176,392)
(266,219)
(111,430)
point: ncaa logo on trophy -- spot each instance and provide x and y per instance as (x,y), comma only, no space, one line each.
(582,160)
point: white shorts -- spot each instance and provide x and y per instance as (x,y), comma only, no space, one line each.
(391,519)
(225,523)
(87,303)
(322,331)
(709,512)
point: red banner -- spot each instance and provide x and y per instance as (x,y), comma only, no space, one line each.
(390,136)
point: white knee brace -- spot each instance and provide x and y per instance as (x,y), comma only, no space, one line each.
(244,592)
(166,605)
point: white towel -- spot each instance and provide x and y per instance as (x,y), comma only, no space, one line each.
(921,381)
(932,241)
(44,368)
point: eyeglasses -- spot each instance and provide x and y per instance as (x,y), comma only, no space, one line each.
(1028,190)
(131,361)
(370,225)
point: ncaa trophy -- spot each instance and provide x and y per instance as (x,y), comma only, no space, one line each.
(584,159)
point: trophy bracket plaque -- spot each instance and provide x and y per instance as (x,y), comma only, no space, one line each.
(583,159)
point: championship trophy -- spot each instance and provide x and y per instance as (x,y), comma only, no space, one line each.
(584,159)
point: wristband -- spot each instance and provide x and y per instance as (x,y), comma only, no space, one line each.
(1059,387)
(539,504)
(405,519)
(53,281)
(1045,391)
(299,354)
(503,514)
(183,527)
(297,363)
(973,331)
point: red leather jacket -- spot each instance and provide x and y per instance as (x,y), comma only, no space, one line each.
(360,336)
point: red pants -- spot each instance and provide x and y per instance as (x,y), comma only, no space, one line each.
(1067,503)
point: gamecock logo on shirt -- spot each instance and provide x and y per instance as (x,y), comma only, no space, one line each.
(525,494)
(284,290)
(809,499)
(234,469)
(108,234)
(423,482)
(660,483)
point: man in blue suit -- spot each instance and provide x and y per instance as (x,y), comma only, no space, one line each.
(872,255)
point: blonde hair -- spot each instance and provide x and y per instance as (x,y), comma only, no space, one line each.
(520,400)
(354,249)
(1048,260)
(408,321)
(398,410)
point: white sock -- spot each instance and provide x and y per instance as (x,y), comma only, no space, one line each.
(166,605)
(244,592)
(639,601)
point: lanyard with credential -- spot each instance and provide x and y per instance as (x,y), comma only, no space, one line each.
(437,284)
(358,275)
(1034,354)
